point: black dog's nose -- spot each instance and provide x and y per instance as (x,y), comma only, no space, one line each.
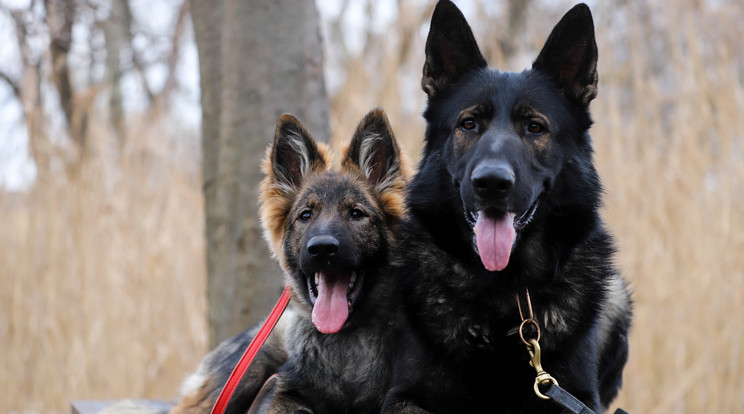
(492,180)
(320,246)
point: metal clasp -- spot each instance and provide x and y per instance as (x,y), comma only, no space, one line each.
(542,377)
(533,347)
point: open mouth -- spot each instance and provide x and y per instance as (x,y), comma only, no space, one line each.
(333,294)
(522,221)
(496,232)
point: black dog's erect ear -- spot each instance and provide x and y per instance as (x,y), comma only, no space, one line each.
(570,55)
(375,152)
(451,50)
(294,153)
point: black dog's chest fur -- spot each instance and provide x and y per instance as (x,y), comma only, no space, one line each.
(467,321)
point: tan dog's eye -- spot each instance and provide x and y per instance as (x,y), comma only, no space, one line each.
(357,214)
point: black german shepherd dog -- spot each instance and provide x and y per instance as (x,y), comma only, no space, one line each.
(506,202)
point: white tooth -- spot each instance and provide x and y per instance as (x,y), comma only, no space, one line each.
(317,279)
(352,281)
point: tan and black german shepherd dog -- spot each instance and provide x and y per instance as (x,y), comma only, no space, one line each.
(332,230)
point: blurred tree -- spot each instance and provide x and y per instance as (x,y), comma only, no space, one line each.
(27,87)
(117,29)
(517,14)
(60,17)
(257,59)
(44,39)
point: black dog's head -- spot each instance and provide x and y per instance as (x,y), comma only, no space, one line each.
(506,138)
(332,227)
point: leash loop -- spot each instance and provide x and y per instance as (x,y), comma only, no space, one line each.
(521,329)
(527,321)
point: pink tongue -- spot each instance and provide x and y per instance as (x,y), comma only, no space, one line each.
(494,239)
(331,309)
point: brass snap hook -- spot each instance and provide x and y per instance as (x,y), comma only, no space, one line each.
(542,377)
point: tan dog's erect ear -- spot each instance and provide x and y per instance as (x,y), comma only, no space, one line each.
(294,153)
(374,151)
(292,157)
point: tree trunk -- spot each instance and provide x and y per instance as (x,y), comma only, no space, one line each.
(60,18)
(117,34)
(257,59)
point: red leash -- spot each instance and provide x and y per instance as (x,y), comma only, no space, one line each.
(250,353)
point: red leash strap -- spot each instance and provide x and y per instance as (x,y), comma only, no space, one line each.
(250,353)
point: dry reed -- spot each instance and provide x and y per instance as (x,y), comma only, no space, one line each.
(102,278)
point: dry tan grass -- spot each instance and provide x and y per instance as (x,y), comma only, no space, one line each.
(670,151)
(102,286)
(102,277)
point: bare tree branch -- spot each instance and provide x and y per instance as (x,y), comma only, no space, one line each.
(21,35)
(13,84)
(117,34)
(137,60)
(60,16)
(178,29)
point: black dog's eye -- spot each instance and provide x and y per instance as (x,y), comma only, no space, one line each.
(306,215)
(468,123)
(535,128)
(357,214)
